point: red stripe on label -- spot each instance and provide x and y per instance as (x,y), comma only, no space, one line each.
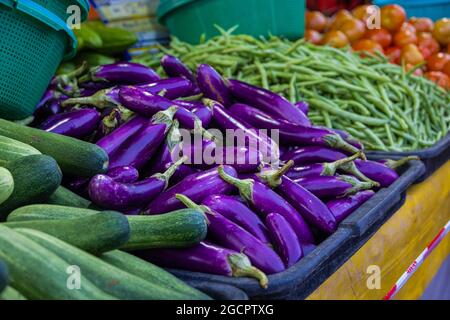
(390,293)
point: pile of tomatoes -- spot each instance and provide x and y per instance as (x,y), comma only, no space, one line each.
(417,43)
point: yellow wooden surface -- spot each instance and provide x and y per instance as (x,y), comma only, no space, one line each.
(395,246)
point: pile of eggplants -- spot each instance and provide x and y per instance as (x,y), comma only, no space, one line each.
(263,216)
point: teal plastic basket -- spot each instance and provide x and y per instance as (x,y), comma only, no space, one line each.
(33,43)
(189,19)
(434,9)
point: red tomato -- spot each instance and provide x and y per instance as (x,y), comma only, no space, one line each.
(381,36)
(411,54)
(446,69)
(438,61)
(448,48)
(313,36)
(316,20)
(441,31)
(368,46)
(394,54)
(405,36)
(440,78)
(392,17)
(335,39)
(422,24)
(427,44)
(354,29)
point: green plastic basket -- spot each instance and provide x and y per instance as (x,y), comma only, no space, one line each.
(59,7)
(189,19)
(33,43)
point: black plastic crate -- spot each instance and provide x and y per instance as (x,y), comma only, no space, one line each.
(219,291)
(299,281)
(433,157)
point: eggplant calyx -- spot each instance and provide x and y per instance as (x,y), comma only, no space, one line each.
(245,187)
(100,100)
(399,163)
(165,117)
(191,204)
(351,168)
(331,168)
(273,177)
(336,141)
(210,103)
(357,185)
(242,267)
(192,98)
(166,176)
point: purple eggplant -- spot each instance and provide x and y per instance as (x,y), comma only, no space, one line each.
(106,98)
(172,88)
(290,133)
(199,109)
(265,201)
(121,73)
(268,102)
(237,212)
(309,155)
(111,120)
(105,192)
(139,149)
(342,208)
(173,67)
(125,174)
(76,124)
(196,186)
(284,238)
(250,137)
(319,169)
(112,142)
(335,187)
(207,258)
(213,85)
(232,236)
(303,107)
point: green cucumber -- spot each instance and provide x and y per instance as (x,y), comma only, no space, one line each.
(36,178)
(149,272)
(75,157)
(3,276)
(65,197)
(112,280)
(98,233)
(38,273)
(115,40)
(11,294)
(178,229)
(6,184)
(12,150)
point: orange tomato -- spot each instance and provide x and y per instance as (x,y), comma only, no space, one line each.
(313,36)
(354,29)
(361,13)
(446,69)
(405,36)
(381,36)
(422,24)
(411,54)
(394,54)
(339,18)
(427,44)
(441,31)
(440,78)
(392,17)
(335,38)
(367,46)
(316,20)
(438,61)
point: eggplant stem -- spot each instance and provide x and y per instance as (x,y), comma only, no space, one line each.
(189,203)
(399,163)
(335,141)
(357,185)
(273,178)
(171,171)
(245,186)
(242,267)
(165,117)
(351,168)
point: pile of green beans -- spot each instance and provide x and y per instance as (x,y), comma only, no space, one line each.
(375,101)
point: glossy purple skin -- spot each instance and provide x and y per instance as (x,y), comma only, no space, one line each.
(267,101)
(344,207)
(196,187)
(50,94)
(110,194)
(265,201)
(204,257)
(127,73)
(112,142)
(76,124)
(237,212)
(125,174)
(173,88)
(312,209)
(173,67)
(312,154)
(138,151)
(199,109)
(284,238)
(378,172)
(51,108)
(232,236)
(289,133)
(212,85)
(302,106)
(325,187)
(227,121)
(310,170)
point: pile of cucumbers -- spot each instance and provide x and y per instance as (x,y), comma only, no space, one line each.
(56,245)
